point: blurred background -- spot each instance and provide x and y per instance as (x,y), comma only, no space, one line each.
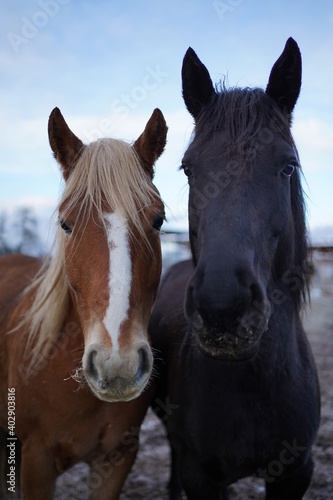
(108,64)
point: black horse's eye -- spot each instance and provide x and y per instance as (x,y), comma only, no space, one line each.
(158,222)
(288,170)
(186,169)
(65,227)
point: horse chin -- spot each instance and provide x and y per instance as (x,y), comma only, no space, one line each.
(118,392)
(227,347)
(118,398)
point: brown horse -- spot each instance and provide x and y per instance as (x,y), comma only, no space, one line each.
(82,315)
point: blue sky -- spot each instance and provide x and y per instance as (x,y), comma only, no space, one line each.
(108,64)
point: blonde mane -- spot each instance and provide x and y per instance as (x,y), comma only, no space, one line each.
(108,172)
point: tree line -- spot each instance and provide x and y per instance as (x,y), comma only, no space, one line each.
(19,232)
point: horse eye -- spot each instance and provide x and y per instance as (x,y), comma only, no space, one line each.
(186,170)
(158,222)
(65,227)
(288,170)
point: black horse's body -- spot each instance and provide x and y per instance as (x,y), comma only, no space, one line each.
(234,361)
(229,420)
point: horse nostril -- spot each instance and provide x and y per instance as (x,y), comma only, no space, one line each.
(143,363)
(257,296)
(91,368)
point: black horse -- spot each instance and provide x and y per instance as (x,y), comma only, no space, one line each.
(235,365)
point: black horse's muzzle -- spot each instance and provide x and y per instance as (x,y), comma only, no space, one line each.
(227,322)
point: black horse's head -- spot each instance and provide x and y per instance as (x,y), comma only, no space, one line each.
(246,211)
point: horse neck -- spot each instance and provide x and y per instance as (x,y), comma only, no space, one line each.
(72,330)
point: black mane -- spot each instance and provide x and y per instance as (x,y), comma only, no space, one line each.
(242,113)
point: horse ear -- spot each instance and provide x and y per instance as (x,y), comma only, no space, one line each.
(65,145)
(285,80)
(150,145)
(198,88)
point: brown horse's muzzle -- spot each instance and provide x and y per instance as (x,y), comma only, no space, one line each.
(113,377)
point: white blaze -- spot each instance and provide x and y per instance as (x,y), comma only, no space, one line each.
(120,276)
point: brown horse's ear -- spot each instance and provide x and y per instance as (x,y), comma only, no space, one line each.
(150,145)
(65,145)
(285,79)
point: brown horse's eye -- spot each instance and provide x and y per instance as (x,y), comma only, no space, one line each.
(158,222)
(65,227)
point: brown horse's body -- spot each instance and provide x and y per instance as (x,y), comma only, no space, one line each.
(80,395)
(76,426)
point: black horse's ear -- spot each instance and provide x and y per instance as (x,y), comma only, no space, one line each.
(197,85)
(285,80)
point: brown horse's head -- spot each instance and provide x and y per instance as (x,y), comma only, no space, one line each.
(110,215)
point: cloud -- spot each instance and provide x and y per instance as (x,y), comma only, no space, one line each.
(314,140)
(314,134)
